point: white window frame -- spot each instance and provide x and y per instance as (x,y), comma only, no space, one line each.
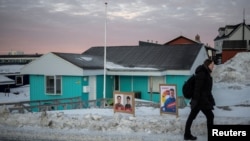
(55,85)
(19,77)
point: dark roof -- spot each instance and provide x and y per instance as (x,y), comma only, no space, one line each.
(82,61)
(233,27)
(170,57)
(21,56)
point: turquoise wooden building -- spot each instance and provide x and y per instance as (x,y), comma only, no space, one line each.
(138,69)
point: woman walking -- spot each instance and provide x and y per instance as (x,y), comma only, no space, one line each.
(202,99)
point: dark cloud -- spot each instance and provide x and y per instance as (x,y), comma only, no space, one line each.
(75,25)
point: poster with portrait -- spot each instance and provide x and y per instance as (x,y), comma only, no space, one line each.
(124,102)
(168,99)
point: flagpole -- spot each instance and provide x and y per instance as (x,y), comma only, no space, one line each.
(105,53)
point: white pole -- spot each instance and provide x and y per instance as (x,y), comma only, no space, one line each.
(105,54)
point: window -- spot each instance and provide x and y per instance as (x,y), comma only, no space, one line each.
(53,85)
(19,80)
(154,83)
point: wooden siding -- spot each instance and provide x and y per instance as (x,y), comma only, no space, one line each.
(177,80)
(109,86)
(125,83)
(140,84)
(71,87)
(137,84)
(181,41)
(99,86)
(228,54)
(37,87)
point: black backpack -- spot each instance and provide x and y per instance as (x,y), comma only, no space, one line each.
(188,87)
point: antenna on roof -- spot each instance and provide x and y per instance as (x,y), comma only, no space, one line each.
(244,16)
(243,26)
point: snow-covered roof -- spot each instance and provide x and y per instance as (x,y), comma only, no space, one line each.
(169,57)
(5,80)
(10,69)
(123,60)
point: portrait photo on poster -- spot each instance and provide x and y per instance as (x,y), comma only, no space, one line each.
(119,105)
(168,99)
(124,102)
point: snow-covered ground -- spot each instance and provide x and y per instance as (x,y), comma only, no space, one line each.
(231,93)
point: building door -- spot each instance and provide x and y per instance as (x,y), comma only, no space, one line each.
(117,83)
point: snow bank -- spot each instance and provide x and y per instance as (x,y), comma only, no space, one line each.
(118,126)
(237,69)
(89,125)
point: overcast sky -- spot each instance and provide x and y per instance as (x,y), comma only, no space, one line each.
(42,26)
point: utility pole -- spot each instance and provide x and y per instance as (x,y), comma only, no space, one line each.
(105,54)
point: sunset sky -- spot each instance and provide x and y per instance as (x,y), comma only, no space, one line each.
(72,26)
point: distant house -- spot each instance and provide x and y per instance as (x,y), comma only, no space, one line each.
(231,40)
(128,69)
(183,40)
(10,66)
(211,52)
(11,59)
(12,72)
(5,83)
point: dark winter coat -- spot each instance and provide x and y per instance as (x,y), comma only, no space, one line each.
(203,97)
